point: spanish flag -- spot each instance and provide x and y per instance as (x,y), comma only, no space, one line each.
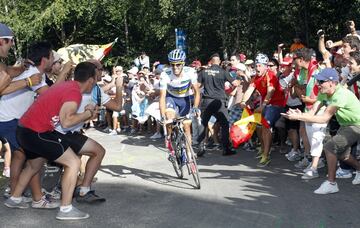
(242,130)
(82,52)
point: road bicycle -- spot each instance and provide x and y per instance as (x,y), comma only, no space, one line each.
(181,152)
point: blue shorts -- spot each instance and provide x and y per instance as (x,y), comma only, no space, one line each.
(8,131)
(272,114)
(181,105)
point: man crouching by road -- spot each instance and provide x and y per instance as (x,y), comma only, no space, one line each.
(41,142)
(342,103)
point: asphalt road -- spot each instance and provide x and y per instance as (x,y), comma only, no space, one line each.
(142,191)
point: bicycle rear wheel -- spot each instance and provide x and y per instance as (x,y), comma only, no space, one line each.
(191,162)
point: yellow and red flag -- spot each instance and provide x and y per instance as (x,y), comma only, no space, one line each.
(82,52)
(242,130)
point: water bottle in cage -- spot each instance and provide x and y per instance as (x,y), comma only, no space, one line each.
(183,155)
(102,114)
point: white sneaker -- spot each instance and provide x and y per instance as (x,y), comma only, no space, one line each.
(303,163)
(113,132)
(326,188)
(6,172)
(343,173)
(118,130)
(157,135)
(45,203)
(357,178)
(293,155)
(310,174)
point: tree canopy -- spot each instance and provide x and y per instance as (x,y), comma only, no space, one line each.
(248,26)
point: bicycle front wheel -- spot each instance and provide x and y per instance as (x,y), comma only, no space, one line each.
(191,162)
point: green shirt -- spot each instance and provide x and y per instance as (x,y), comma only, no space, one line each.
(348,106)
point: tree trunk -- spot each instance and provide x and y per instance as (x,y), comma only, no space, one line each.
(126,34)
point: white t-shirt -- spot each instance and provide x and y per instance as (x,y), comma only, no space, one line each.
(87,98)
(178,86)
(15,104)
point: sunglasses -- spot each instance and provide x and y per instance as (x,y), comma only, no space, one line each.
(320,82)
(271,65)
(176,64)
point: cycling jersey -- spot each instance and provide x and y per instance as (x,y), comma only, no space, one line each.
(178,86)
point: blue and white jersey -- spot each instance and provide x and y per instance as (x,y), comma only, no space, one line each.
(178,86)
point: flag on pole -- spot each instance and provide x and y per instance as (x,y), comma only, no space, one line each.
(82,52)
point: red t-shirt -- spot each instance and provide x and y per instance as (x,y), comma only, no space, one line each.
(261,83)
(43,114)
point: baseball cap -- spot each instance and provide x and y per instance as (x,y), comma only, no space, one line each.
(242,57)
(240,66)
(249,62)
(195,63)
(328,74)
(5,31)
(118,68)
(261,59)
(133,70)
(57,56)
(287,61)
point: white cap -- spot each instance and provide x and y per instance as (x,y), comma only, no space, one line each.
(133,70)
(240,66)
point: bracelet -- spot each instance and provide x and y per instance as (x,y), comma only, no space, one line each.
(30,82)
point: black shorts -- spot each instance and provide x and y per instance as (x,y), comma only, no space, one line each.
(3,140)
(293,124)
(49,145)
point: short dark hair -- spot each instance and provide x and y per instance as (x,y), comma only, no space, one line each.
(39,50)
(353,41)
(84,71)
(275,61)
(356,56)
(304,53)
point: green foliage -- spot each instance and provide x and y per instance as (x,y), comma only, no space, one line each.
(249,26)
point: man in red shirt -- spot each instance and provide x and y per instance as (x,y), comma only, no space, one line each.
(272,102)
(36,135)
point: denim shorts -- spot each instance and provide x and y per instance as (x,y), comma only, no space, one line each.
(8,131)
(272,114)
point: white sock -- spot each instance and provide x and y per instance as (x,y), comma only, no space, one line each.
(84,190)
(16,199)
(66,208)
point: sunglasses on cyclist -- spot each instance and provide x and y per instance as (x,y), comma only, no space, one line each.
(177,64)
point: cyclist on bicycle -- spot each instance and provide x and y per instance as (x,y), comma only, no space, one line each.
(176,96)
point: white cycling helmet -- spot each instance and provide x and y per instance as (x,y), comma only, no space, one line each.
(261,59)
(176,56)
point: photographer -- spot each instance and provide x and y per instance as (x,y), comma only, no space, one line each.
(142,61)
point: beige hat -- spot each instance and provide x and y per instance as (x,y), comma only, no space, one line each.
(133,70)
(119,68)
(240,66)
(249,62)
(57,56)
